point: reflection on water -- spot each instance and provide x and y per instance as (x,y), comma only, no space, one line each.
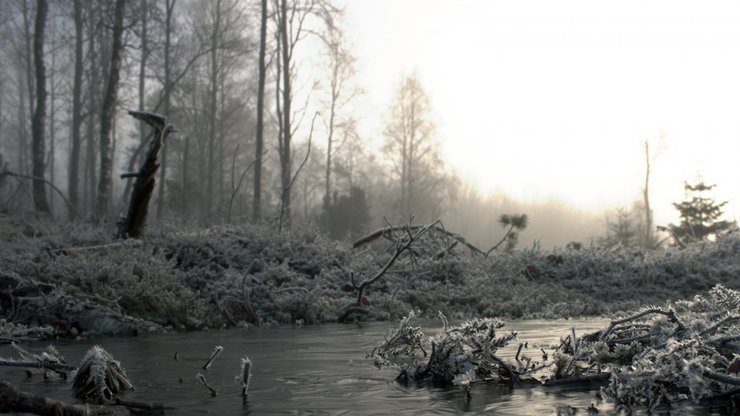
(308,370)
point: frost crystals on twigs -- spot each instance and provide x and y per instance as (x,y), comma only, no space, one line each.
(100,378)
(460,355)
(402,244)
(202,379)
(684,350)
(214,354)
(245,375)
(50,360)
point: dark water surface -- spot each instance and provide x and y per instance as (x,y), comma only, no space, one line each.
(309,370)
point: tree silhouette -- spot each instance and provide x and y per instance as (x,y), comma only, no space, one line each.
(513,224)
(621,230)
(699,216)
(413,151)
(347,214)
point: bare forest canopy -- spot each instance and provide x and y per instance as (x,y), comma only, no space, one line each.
(260,94)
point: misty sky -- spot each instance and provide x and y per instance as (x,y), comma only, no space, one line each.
(543,99)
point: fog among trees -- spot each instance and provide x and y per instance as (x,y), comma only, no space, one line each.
(261,95)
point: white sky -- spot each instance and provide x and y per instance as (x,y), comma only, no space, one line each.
(543,99)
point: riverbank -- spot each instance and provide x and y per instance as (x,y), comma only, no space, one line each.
(76,280)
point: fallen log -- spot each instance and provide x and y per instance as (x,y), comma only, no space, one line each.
(17,401)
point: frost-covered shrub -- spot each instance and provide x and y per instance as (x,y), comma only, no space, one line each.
(684,350)
(459,355)
(236,275)
(688,349)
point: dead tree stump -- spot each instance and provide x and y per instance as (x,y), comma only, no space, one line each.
(132,226)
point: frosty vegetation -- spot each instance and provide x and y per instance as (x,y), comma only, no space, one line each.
(75,280)
(684,350)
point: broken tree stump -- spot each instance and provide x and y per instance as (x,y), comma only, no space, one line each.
(132,226)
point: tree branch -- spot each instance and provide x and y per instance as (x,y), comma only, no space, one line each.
(36,178)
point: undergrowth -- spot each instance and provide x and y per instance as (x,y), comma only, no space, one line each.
(249,275)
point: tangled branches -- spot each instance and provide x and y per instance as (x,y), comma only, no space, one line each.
(460,354)
(659,355)
(686,350)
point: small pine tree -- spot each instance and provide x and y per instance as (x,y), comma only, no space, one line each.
(699,216)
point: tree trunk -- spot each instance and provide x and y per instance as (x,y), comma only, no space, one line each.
(39,115)
(93,110)
(259,140)
(646,201)
(22,131)
(221,135)
(330,136)
(108,113)
(52,118)
(143,17)
(169,8)
(285,160)
(29,56)
(133,224)
(212,111)
(74,153)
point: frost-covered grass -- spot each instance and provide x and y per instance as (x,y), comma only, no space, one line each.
(238,275)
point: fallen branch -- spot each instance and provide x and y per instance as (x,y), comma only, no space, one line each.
(202,379)
(17,401)
(389,230)
(99,247)
(216,351)
(723,378)
(402,246)
(37,364)
(653,311)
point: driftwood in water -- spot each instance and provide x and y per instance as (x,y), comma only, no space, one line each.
(132,226)
(49,360)
(17,401)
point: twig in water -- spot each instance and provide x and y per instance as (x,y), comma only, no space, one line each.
(246,375)
(203,381)
(214,354)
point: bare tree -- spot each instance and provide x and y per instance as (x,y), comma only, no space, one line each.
(108,113)
(39,115)
(259,132)
(291,22)
(286,55)
(341,71)
(93,101)
(413,151)
(649,238)
(74,152)
(167,87)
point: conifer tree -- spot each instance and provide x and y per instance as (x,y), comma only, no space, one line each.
(700,216)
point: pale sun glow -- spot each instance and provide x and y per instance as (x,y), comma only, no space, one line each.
(545,99)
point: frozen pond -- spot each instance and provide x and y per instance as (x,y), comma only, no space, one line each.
(309,370)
